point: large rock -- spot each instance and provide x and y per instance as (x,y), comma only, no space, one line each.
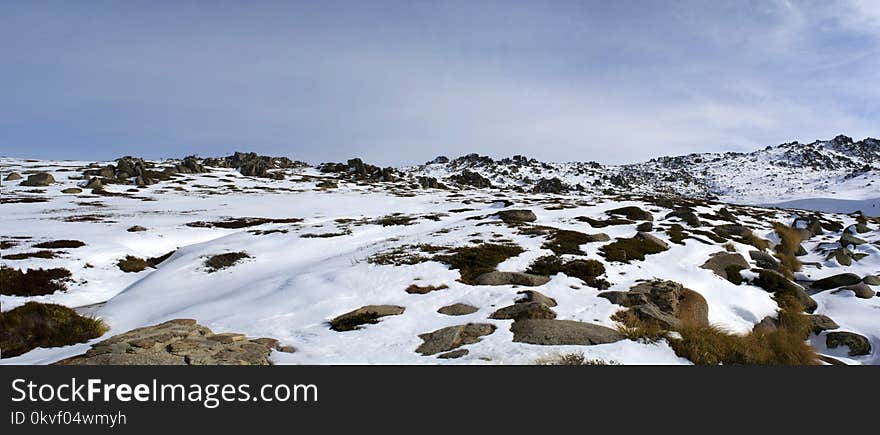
(843,256)
(550,185)
(857,344)
(517,216)
(458,309)
(764,260)
(652,239)
(687,215)
(632,213)
(364,315)
(562,332)
(774,282)
(176,342)
(807,226)
(838,280)
(511,278)
(451,337)
(724,263)
(861,290)
(821,322)
(535,296)
(848,239)
(524,310)
(13,176)
(871,280)
(469,178)
(41,179)
(664,303)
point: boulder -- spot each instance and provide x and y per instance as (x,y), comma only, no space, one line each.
(861,290)
(687,215)
(458,309)
(94,183)
(733,229)
(469,178)
(40,179)
(821,322)
(598,237)
(72,190)
(807,226)
(632,213)
(517,216)
(511,278)
(13,176)
(871,279)
(367,314)
(524,310)
(176,342)
(651,239)
(550,185)
(838,280)
(857,344)
(451,337)
(562,332)
(774,282)
(848,239)
(766,325)
(764,260)
(534,296)
(665,303)
(327,184)
(843,256)
(724,263)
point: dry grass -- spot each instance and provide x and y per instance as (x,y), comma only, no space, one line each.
(131,264)
(587,271)
(573,359)
(35,325)
(473,261)
(32,282)
(223,261)
(420,290)
(60,244)
(786,250)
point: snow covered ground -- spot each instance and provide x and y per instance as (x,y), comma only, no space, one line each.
(295,281)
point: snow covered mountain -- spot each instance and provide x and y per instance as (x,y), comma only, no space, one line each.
(838,168)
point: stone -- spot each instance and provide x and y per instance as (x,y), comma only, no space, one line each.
(458,353)
(40,179)
(550,185)
(843,256)
(13,176)
(848,239)
(535,296)
(861,290)
(524,310)
(764,260)
(774,282)
(721,263)
(135,229)
(686,215)
(767,325)
(652,239)
(367,314)
(511,278)
(94,183)
(175,342)
(451,337)
(808,226)
(838,280)
(871,279)
(469,178)
(821,322)
(517,216)
(858,344)
(327,184)
(72,190)
(665,303)
(562,332)
(632,213)
(598,237)
(458,309)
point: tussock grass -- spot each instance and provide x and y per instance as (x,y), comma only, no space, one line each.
(60,244)
(586,270)
(223,261)
(35,325)
(32,282)
(473,261)
(625,250)
(786,250)
(573,359)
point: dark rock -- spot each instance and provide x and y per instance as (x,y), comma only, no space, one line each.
(72,190)
(722,263)
(848,239)
(364,315)
(871,280)
(458,353)
(552,185)
(838,280)
(430,183)
(767,325)
(452,337)
(469,178)
(857,344)
(651,239)
(764,260)
(562,332)
(774,282)
(41,179)
(458,309)
(517,216)
(135,229)
(821,322)
(665,303)
(13,176)
(326,184)
(687,215)
(524,310)
(861,290)
(438,160)
(535,296)
(632,213)
(511,278)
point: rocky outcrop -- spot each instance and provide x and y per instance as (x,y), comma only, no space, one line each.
(253,165)
(838,280)
(821,322)
(367,314)
(13,176)
(451,337)
(517,216)
(764,260)
(38,180)
(470,178)
(664,303)
(632,213)
(524,310)
(511,278)
(177,342)
(458,309)
(858,344)
(726,265)
(550,185)
(562,332)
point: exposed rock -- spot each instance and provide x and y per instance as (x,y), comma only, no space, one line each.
(511,278)
(430,183)
(253,165)
(764,260)
(135,229)
(451,337)
(551,185)
(808,226)
(364,315)
(438,160)
(94,183)
(651,239)
(458,353)
(598,237)
(687,215)
(13,176)
(327,184)
(871,279)
(524,310)
(861,290)
(766,325)
(733,229)
(40,179)
(632,213)
(848,239)
(857,344)
(665,303)
(535,296)
(469,178)
(725,263)
(774,282)
(176,342)
(843,256)
(458,309)
(838,280)
(562,332)
(821,322)
(516,216)
(72,190)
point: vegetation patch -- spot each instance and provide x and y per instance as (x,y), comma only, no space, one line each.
(325,235)
(223,261)
(625,250)
(36,254)
(586,270)
(242,222)
(404,255)
(473,261)
(787,249)
(566,242)
(597,223)
(420,290)
(33,282)
(131,264)
(394,219)
(60,244)
(573,359)
(35,325)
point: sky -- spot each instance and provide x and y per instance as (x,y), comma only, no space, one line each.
(400,82)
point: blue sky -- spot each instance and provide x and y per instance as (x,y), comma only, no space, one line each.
(400,82)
